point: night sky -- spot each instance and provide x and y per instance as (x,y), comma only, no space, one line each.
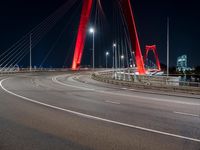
(18,17)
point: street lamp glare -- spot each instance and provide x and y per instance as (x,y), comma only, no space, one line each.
(107,53)
(91,30)
(114,45)
(122,57)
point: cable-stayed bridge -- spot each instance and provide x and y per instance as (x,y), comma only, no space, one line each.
(123,106)
(125,42)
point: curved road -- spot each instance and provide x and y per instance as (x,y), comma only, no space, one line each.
(53,111)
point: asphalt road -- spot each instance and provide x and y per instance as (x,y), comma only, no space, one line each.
(54,111)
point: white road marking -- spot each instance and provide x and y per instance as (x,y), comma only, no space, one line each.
(82,88)
(113,102)
(34,83)
(54,79)
(132,89)
(124,88)
(186,114)
(98,118)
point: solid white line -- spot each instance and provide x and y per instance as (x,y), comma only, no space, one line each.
(98,118)
(113,102)
(186,114)
(54,79)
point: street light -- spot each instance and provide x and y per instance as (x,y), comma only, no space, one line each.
(134,66)
(107,54)
(122,58)
(114,45)
(92,31)
(133,58)
(30,46)
(115,59)
(115,55)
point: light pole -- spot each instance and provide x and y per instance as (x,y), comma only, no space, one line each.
(92,31)
(167,47)
(114,58)
(31,52)
(134,66)
(122,59)
(107,54)
(114,45)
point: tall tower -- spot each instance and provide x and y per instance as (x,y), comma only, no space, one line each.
(130,20)
(128,13)
(152,48)
(80,41)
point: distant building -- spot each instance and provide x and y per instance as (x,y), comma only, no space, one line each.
(182,63)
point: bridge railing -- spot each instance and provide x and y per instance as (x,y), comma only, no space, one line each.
(164,81)
(157,80)
(27,70)
(12,70)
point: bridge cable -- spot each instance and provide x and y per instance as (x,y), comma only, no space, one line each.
(22,42)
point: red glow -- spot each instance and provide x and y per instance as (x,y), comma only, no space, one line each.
(80,42)
(128,13)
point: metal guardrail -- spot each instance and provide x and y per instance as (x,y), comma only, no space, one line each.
(160,83)
(27,70)
(163,80)
(150,80)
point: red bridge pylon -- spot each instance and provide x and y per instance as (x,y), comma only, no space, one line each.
(82,30)
(152,48)
(128,14)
